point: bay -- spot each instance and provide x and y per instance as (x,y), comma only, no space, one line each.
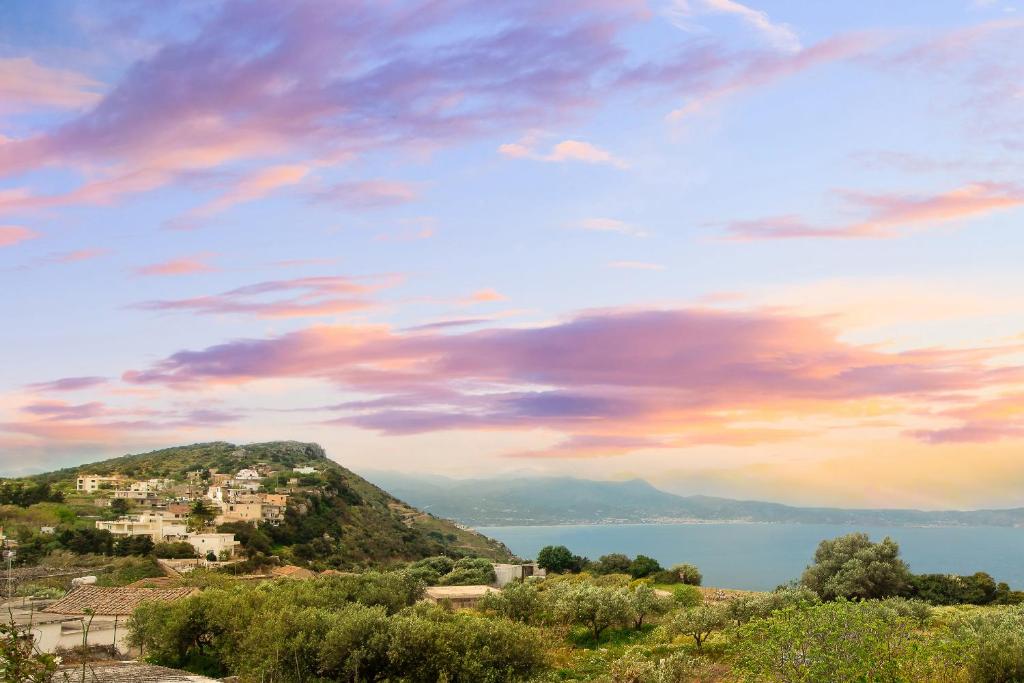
(763,556)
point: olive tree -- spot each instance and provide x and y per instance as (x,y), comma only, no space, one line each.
(852,566)
(644,601)
(595,607)
(699,622)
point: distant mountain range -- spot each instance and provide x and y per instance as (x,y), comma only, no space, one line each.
(517,501)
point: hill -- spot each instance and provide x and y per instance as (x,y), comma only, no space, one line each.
(333,517)
(565,500)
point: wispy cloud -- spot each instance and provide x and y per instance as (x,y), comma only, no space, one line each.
(253,186)
(636,265)
(25,84)
(888,215)
(566,150)
(611,225)
(778,35)
(296,298)
(186,265)
(13,234)
(368,194)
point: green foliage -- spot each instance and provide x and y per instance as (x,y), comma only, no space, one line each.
(174,550)
(744,608)
(637,667)
(119,507)
(254,540)
(991,644)
(698,622)
(839,642)
(613,563)
(315,630)
(200,516)
(470,571)
(687,596)
(953,589)
(125,570)
(26,493)
(86,540)
(556,558)
(520,601)
(133,545)
(688,574)
(643,566)
(852,566)
(644,601)
(583,603)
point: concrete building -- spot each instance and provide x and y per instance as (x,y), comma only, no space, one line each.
(507,573)
(304,470)
(91,483)
(218,544)
(158,525)
(247,475)
(459,597)
(240,512)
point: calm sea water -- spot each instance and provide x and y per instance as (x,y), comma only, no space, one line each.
(762,556)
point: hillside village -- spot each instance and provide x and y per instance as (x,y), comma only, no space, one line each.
(167,508)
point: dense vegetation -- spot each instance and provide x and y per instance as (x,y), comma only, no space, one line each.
(576,627)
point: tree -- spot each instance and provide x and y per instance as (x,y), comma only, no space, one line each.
(119,506)
(644,601)
(613,563)
(643,567)
(699,622)
(687,596)
(133,545)
(555,558)
(688,574)
(84,541)
(595,607)
(852,566)
(519,601)
(200,517)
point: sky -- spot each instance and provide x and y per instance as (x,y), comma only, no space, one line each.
(765,250)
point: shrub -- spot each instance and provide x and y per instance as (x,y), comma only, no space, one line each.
(839,642)
(643,566)
(991,642)
(687,596)
(952,589)
(518,601)
(176,550)
(644,601)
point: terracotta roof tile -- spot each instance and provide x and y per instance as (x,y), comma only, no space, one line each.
(113,601)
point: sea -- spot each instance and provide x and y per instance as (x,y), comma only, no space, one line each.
(764,556)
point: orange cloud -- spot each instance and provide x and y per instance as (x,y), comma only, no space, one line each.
(566,150)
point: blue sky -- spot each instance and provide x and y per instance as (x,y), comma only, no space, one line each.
(753,249)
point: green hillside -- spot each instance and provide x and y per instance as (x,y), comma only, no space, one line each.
(334,518)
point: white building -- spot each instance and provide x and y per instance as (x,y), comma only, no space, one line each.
(247,475)
(507,573)
(305,470)
(159,526)
(91,483)
(217,543)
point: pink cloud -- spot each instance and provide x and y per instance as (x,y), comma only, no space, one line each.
(252,186)
(329,85)
(24,84)
(295,298)
(368,194)
(78,255)
(69,384)
(567,150)
(13,234)
(635,265)
(888,215)
(180,266)
(675,377)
